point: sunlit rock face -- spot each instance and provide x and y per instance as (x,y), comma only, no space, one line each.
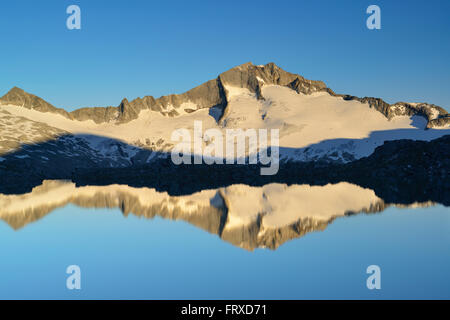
(248,217)
(314,122)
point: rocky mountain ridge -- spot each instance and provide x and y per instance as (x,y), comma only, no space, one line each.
(214,95)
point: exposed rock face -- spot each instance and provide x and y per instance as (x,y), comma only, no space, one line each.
(19,97)
(213,95)
(436,116)
(96,114)
(422,168)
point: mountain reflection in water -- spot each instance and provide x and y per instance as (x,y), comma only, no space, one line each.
(245,216)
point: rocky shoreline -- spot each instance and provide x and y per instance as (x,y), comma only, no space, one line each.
(402,171)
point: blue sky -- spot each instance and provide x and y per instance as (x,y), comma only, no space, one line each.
(134,48)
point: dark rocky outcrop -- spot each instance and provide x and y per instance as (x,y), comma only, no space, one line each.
(401,171)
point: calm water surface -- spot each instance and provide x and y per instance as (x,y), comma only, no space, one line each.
(132,257)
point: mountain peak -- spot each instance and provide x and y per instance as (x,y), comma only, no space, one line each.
(244,65)
(15,92)
(19,97)
(214,94)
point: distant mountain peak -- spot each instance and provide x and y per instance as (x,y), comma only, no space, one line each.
(19,97)
(213,95)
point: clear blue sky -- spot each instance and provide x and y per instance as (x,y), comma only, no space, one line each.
(134,48)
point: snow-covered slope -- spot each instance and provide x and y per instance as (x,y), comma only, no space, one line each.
(313,122)
(320,125)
